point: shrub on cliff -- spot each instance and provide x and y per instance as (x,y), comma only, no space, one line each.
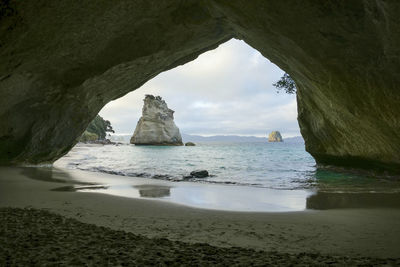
(99,128)
(88,137)
(286,83)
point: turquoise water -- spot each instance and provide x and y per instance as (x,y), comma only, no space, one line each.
(269,165)
(280,166)
(243,177)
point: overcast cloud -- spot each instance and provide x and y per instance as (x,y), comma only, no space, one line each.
(225,91)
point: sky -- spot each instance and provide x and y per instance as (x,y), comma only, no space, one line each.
(226,91)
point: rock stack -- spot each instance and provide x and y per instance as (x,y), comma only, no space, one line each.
(275,136)
(156,126)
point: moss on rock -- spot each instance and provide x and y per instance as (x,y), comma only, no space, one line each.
(88,137)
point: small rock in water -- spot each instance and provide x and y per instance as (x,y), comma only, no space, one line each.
(275,136)
(190,144)
(199,174)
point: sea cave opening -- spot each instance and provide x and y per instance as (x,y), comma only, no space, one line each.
(224,102)
(101,203)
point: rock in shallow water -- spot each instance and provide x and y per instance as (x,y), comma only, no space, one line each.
(199,174)
(190,144)
(156,126)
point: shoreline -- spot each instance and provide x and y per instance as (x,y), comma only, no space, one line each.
(192,194)
(347,232)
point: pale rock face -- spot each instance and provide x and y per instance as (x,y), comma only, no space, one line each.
(275,136)
(156,126)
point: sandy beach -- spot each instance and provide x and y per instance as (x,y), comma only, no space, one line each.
(349,236)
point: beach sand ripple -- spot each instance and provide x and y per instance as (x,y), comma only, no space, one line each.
(33,237)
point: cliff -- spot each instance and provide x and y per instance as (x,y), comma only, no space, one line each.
(156,126)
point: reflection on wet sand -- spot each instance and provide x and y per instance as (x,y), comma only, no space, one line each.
(332,191)
(45,174)
(50,174)
(339,190)
(327,200)
(153,191)
(71,188)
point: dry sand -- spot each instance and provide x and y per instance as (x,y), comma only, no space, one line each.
(341,237)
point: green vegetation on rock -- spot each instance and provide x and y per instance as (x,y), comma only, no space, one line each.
(88,136)
(286,83)
(97,130)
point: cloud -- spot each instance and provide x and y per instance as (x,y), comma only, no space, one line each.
(225,91)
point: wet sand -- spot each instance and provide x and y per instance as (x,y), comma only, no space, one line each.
(35,237)
(330,235)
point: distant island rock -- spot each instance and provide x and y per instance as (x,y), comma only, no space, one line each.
(125,138)
(156,126)
(275,136)
(222,138)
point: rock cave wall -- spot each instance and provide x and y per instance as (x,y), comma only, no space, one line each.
(62,61)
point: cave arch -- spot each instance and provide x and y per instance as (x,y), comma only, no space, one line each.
(62,62)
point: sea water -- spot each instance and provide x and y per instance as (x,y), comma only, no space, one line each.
(270,165)
(260,176)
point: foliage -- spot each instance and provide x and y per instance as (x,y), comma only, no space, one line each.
(286,83)
(87,137)
(100,127)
